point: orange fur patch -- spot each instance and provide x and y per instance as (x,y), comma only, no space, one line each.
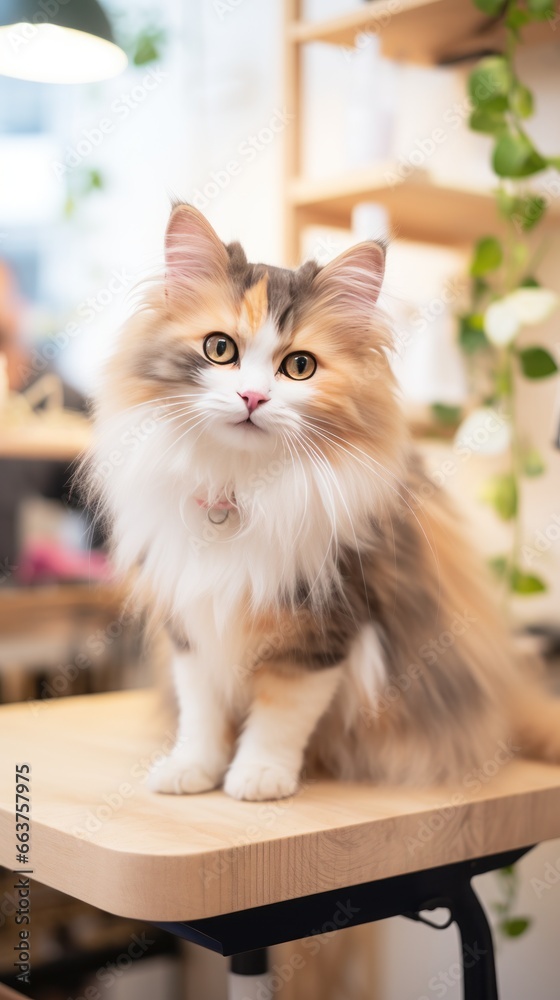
(254,308)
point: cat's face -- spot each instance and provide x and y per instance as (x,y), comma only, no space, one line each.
(253,356)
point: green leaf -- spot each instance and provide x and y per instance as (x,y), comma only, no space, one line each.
(69,206)
(489,83)
(537,363)
(503,381)
(541,8)
(529,282)
(480,285)
(515,156)
(500,908)
(488,255)
(491,7)
(147,46)
(514,926)
(449,416)
(93,181)
(521,100)
(507,871)
(501,493)
(524,212)
(507,203)
(533,464)
(532,210)
(516,19)
(472,337)
(491,122)
(499,566)
(520,253)
(526,583)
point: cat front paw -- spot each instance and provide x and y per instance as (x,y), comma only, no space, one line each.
(258,782)
(178,775)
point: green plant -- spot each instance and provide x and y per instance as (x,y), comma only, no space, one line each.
(509,925)
(505,295)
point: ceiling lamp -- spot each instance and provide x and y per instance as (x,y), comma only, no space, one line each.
(57,41)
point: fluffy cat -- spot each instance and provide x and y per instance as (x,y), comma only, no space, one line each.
(253,461)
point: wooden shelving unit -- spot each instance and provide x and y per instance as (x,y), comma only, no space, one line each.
(421,31)
(419,208)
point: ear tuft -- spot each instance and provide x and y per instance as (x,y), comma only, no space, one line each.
(194,254)
(352,281)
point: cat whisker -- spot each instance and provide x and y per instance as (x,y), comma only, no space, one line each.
(330,472)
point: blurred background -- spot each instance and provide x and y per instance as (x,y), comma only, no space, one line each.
(298,128)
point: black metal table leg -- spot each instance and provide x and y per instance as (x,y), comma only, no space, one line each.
(477,946)
(407,895)
(248,975)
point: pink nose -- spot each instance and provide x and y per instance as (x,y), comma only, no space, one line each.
(253,399)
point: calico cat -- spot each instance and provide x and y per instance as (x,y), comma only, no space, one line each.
(326,610)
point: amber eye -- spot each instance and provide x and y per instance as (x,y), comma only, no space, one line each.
(299,365)
(220,349)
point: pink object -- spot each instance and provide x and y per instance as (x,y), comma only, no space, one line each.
(216,504)
(253,399)
(43,562)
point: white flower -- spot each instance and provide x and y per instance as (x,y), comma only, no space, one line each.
(533,305)
(525,307)
(501,323)
(484,432)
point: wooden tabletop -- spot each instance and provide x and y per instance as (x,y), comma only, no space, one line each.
(99,835)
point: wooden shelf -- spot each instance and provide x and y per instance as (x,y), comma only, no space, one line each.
(43,440)
(420,31)
(32,607)
(419,209)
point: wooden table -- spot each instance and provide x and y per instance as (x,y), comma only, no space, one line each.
(237,876)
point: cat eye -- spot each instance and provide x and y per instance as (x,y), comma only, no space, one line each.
(299,365)
(220,349)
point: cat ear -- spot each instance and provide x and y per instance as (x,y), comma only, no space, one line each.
(352,281)
(194,254)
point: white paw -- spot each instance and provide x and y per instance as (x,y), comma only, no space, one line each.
(256,782)
(182,775)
